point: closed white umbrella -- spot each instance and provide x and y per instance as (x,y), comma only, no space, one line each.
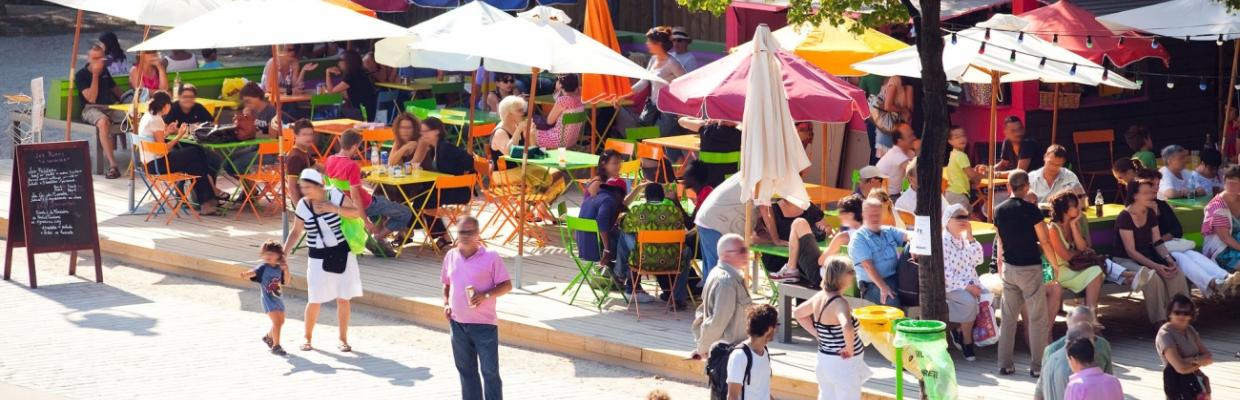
(147,12)
(396,51)
(771,154)
(271,22)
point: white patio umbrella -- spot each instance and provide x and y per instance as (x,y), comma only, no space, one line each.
(537,40)
(143,12)
(396,51)
(1000,54)
(771,154)
(1200,20)
(270,22)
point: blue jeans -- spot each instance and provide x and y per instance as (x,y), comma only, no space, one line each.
(627,244)
(709,239)
(476,346)
(398,215)
(869,291)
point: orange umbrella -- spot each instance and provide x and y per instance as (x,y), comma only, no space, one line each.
(598,27)
(352,6)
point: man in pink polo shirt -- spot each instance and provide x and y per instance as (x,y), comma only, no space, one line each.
(473,277)
(1088,382)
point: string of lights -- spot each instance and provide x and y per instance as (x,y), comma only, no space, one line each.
(1219,38)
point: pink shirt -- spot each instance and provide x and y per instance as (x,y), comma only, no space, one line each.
(1093,384)
(483,271)
(342,168)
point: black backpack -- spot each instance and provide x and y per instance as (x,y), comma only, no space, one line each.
(717,368)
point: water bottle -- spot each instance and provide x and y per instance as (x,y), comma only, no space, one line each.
(383,157)
(1098,204)
(563,157)
(374,155)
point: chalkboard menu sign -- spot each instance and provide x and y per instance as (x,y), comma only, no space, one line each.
(52,204)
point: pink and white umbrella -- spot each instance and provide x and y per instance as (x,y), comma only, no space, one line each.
(718,90)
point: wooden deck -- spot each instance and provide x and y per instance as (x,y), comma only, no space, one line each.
(219,246)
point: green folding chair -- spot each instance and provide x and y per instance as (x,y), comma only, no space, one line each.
(641,133)
(447,88)
(567,119)
(420,108)
(329,100)
(587,271)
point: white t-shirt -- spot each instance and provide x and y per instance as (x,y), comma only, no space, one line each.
(147,127)
(724,210)
(892,164)
(1170,182)
(759,387)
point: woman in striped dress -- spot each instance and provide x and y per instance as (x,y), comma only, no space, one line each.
(331,270)
(841,368)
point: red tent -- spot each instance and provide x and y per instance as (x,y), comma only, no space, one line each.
(1076,27)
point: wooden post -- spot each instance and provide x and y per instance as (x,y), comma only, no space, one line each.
(1055,114)
(275,99)
(994,89)
(77,35)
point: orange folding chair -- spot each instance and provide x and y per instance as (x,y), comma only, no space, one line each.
(449,211)
(168,188)
(375,137)
(656,238)
(620,146)
(478,135)
(655,153)
(264,183)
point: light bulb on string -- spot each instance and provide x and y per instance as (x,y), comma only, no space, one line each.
(912,30)
(1219,41)
(1140,83)
(953,37)
(1153,43)
(1170,83)
(987,33)
(1121,41)
(1020,38)
(1055,39)
(1073,70)
(1042,63)
(1089,41)
(1202,85)
(1105,73)
(1012,56)
(982,49)
(1237,86)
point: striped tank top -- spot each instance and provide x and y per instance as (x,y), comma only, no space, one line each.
(831,337)
(322,229)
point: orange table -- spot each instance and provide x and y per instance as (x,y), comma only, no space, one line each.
(293,98)
(822,195)
(681,142)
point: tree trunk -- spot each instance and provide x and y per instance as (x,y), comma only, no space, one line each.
(932,156)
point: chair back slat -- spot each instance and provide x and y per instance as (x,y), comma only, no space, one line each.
(641,133)
(578,224)
(456,181)
(573,118)
(619,146)
(654,237)
(711,157)
(650,151)
(481,130)
(329,99)
(1095,136)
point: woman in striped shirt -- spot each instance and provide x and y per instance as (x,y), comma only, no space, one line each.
(841,368)
(331,270)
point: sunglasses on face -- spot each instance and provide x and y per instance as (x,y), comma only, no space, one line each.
(960,217)
(508,80)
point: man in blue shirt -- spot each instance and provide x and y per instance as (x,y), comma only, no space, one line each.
(874,254)
(604,208)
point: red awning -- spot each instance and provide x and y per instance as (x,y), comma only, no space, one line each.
(1076,25)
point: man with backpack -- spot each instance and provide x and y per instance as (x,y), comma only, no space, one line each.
(742,371)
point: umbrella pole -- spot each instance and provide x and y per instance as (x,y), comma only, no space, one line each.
(473,100)
(275,98)
(822,160)
(525,157)
(994,88)
(1231,92)
(1055,114)
(77,34)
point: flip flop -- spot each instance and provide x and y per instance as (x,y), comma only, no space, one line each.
(306,346)
(113,173)
(345,348)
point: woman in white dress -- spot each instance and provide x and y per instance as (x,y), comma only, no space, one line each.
(331,270)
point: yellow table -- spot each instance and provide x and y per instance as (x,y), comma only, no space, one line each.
(822,195)
(212,105)
(413,86)
(681,142)
(380,177)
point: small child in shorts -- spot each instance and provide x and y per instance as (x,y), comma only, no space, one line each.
(271,275)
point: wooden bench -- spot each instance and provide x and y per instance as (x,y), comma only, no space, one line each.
(788,292)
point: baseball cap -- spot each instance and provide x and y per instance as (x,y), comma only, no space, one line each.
(871,172)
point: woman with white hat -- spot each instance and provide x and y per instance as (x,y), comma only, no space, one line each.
(331,270)
(961,256)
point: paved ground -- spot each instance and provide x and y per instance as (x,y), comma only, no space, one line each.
(151,335)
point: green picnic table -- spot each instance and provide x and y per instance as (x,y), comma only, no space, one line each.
(573,160)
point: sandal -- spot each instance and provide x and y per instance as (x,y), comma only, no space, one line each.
(1007,371)
(113,173)
(306,346)
(345,348)
(267,340)
(279,351)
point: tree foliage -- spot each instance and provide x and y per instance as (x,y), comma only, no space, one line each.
(869,13)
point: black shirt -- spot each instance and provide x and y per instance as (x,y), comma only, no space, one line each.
(1015,220)
(196,115)
(1167,221)
(1028,149)
(783,224)
(107,93)
(1143,240)
(362,92)
(718,138)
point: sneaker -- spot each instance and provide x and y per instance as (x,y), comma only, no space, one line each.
(968,352)
(958,340)
(785,275)
(643,297)
(278,350)
(1143,277)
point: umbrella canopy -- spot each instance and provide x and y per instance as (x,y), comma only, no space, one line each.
(251,23)
(538,38)
(771,154)
(834,48)
(719,90)
(509,5)
(358,8)
(385,6)
(966,61)
(396,51)
(1196,19)
(598,27)
(147,12)
(1086,36)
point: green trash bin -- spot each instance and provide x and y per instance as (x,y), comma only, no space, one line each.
(928,341)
